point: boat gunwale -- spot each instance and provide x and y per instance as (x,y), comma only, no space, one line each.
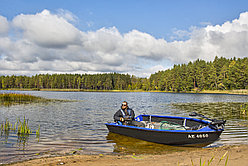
(176,117)
(209,130)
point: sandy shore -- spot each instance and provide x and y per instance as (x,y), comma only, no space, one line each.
(233,155)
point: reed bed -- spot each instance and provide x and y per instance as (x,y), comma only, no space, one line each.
(8,99)
(14,97)
(21,128)
(6,127)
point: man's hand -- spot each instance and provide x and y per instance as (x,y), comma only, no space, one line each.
(122,119)
(127,118)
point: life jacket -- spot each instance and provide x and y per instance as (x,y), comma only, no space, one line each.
(124,115)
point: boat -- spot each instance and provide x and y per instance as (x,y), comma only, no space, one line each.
(172,130)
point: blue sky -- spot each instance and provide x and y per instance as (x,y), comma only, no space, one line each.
(152,33)
(159,17)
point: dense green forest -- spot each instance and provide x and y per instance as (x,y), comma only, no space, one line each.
(109,81)
(221,74)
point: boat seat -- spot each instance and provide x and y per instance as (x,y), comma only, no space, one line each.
(137,123)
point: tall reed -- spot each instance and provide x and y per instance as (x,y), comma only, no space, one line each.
(8,99)
(38,134)
(23,127)
(244,109)
(202,163)
(6,126)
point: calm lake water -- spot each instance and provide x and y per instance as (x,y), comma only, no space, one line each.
(77,126)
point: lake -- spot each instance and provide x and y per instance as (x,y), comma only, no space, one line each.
(77,125)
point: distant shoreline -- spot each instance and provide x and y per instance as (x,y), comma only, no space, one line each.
(233,92)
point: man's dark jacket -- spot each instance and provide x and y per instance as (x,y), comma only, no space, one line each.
(130,114)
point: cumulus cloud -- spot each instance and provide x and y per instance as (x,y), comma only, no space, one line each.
(49,42)
(103,40)
(4,26)
(229,39)
(69,16)
(47,30)
(143,45)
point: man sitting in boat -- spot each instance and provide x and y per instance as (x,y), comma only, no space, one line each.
(125,115)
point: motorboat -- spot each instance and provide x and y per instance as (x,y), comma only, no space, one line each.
(171,130)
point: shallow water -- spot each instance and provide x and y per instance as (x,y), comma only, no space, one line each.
(78,126)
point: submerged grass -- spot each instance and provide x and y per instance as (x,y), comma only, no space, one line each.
(227,110)
(236,113)
(14,97)
(8,99)
(6,126)
(23,127)
(20,128)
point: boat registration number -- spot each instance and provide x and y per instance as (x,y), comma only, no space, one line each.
(193,136)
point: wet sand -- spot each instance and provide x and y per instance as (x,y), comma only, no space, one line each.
(232,155)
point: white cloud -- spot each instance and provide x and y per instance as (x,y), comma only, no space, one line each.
(47,30)
(143,45)
(67,15)
(103,40)
(180,35)
(147,71)
(4,26)
(50,42)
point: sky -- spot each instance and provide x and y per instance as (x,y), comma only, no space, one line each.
(138,37)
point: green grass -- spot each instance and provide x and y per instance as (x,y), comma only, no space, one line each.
(20,128)
(8,99)
(14,97)
(23,127)
(208,162)
(6,127)
(244,109)
(237,91)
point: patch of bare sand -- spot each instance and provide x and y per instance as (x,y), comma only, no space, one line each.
(234,155)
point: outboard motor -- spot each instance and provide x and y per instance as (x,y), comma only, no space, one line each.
(214,123)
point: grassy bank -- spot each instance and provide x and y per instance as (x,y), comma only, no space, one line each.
(238,91)
(77,90)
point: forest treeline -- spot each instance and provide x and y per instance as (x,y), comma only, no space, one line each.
(220,74)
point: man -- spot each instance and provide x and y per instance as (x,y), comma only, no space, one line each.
(125,115)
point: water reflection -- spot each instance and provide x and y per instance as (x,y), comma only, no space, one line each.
(129,145)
